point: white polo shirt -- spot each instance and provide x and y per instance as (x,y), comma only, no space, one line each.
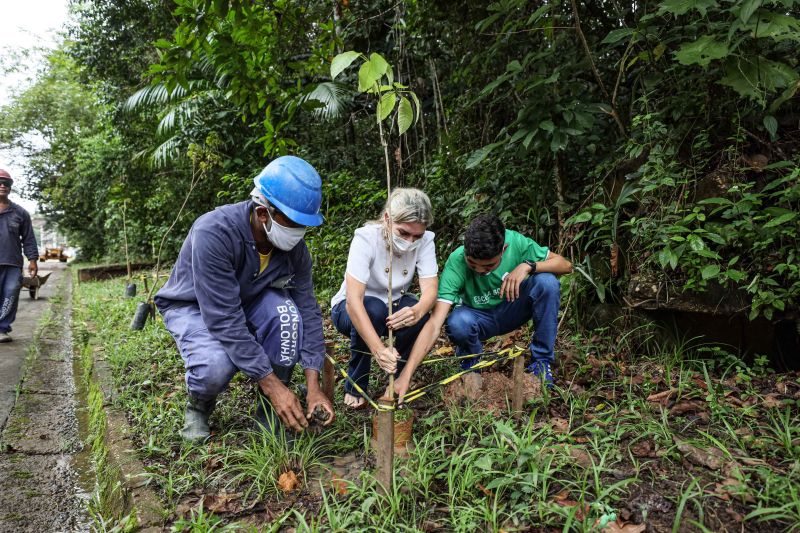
(368,262)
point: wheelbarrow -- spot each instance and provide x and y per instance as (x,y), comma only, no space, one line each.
(34,284)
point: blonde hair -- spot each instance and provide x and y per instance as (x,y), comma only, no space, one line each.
(408,205)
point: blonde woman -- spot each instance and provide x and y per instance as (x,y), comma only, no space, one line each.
(360,310)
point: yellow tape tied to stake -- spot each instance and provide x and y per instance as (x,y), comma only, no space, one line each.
(502,355)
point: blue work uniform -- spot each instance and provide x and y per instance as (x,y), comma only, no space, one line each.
(16,237)
(227,317)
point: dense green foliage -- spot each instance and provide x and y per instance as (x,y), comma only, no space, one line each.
(651,141)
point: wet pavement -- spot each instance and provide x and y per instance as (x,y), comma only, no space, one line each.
(39,439)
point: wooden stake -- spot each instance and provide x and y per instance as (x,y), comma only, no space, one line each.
(518,376)
(328,372)
(384,451)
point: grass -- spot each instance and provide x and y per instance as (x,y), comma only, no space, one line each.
(722,451)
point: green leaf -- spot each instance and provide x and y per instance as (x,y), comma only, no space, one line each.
(702,51)
(547,125)
(614,36)
(753,76)
(748,8)
(480,154)
(379,63)
(514,66)
(771,125)
(484,462)
(586,216)
(735,275)
(788,94)
(778,304)
(405,115)
(417,106)
(710,271)
(386,105)
(681,7)
(786,217)
(342,61)
(368,75)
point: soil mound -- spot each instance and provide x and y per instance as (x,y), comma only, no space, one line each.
(490,390)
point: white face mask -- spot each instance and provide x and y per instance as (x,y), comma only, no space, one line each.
(403,246)
(281,237)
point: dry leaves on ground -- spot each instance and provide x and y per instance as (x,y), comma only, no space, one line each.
(662,397)
(288,481)
(619,526)
(710,457)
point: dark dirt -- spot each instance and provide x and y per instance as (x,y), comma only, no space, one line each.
(490,390)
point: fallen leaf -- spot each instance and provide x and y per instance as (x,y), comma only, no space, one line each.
(560,425)
(637,379)
(711,457)
(733,488)
(662,397)
(581,511)
(686,406)
(643,448)
(782,387)
(581,457)
(621,527)
(339,485)
(223,502)
(444,350)
(771,401)
(288,481)
(484,490)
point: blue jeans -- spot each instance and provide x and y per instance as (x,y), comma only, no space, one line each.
(539,298)
(360,356)
(208,367)
(10,284)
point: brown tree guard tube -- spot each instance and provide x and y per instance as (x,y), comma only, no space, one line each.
(384,449)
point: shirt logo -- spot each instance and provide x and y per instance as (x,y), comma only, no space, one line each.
(290,324)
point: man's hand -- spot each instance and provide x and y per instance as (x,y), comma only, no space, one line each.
(284,402)
(33,268)
(510,286)
(315,398)
(404,318)
(387,359)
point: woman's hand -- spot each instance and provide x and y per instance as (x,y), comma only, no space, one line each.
(401,385)
(404,318)
(387,359)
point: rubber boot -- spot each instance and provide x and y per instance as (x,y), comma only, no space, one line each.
(195,427)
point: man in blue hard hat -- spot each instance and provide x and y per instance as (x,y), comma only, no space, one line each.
(240,298)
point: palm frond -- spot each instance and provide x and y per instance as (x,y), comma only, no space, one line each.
(332,99)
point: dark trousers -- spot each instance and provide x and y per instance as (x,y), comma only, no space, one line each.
(539,299)
(360,356)
(10,285)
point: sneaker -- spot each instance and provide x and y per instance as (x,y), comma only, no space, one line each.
(5,337)
(541,369)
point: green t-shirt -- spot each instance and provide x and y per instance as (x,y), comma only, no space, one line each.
(459,284)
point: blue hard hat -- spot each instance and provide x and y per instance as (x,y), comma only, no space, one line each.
(294,187)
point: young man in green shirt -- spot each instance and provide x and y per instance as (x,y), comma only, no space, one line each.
(497,281)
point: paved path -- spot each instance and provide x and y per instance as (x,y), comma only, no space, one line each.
(39,439)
